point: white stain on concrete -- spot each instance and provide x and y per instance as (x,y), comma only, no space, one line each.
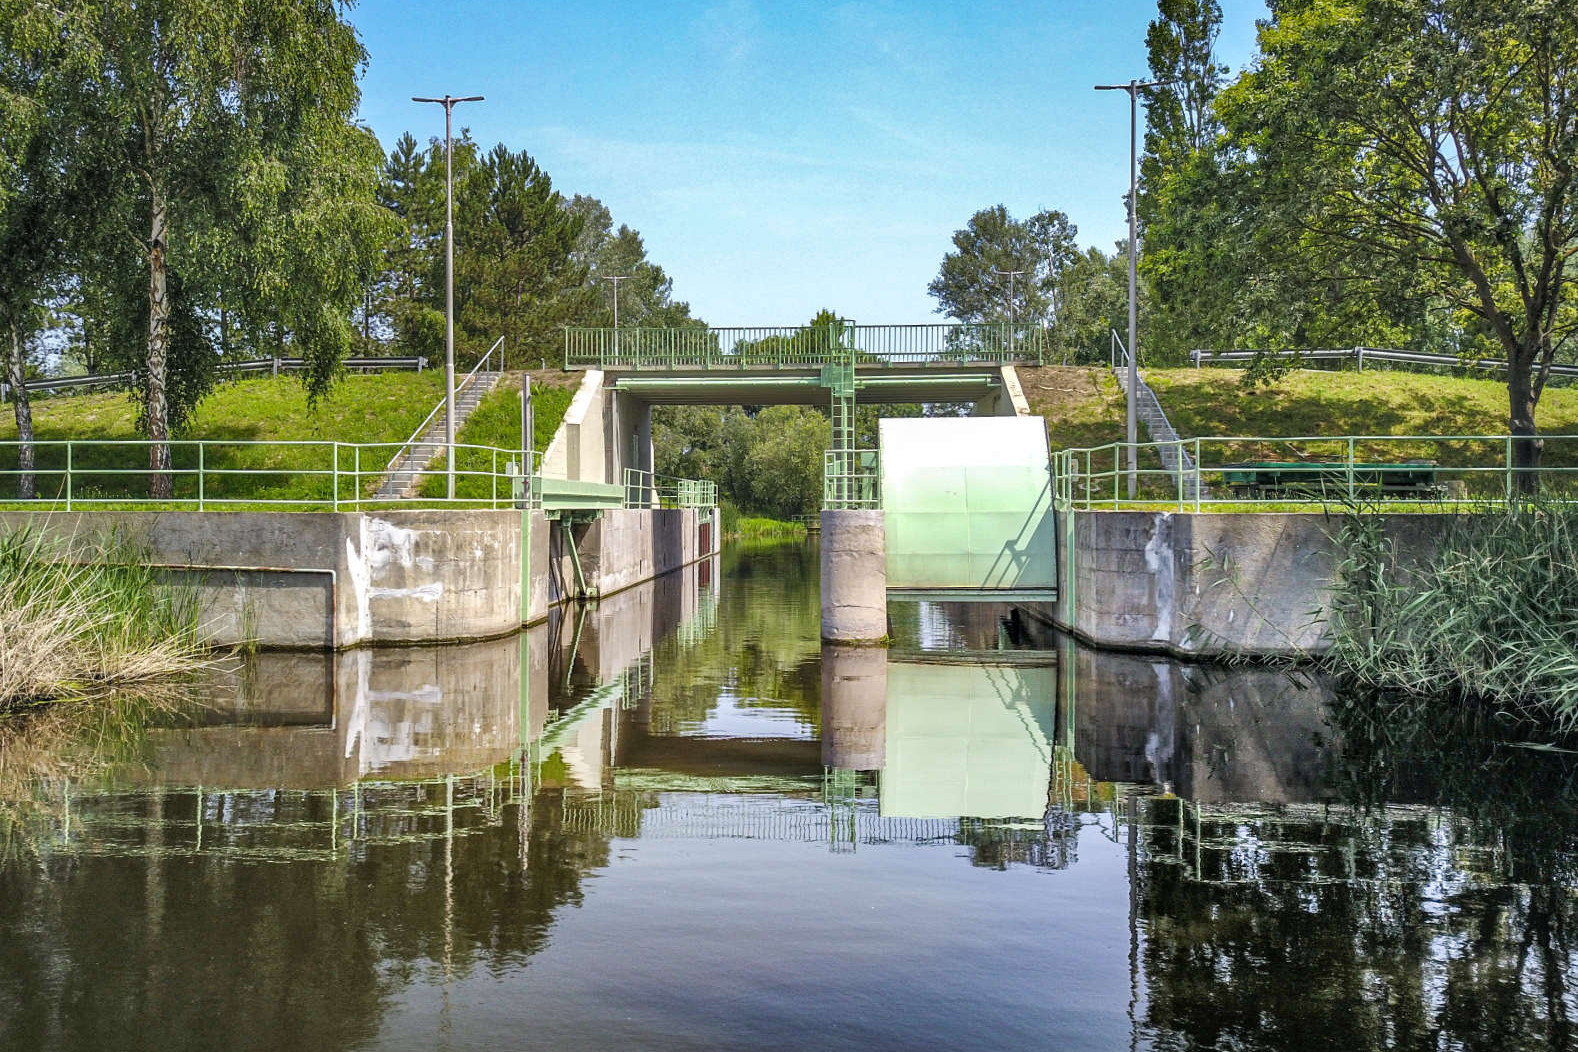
(1159,564)
(426,593)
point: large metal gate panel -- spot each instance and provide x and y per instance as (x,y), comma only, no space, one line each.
(967,503)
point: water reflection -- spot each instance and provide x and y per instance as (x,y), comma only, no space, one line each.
(676,820)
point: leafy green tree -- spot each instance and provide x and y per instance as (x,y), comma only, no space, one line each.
(1424,152)
(517,277)
(970,284)
(217,136)
(646,296)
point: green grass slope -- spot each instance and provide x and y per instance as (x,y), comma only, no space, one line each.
(377,408)
(496,424)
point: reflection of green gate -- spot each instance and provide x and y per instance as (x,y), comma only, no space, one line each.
(968,504)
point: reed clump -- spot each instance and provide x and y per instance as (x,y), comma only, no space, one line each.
(83,618)
(1491,615)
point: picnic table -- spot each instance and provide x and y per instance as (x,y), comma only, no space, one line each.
(1263,478)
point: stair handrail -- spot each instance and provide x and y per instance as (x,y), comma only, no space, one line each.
(1186,468)
(421,429)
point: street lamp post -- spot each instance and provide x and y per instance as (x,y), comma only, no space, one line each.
(1010,275)
(615,279)
(449,102)
(1133,87)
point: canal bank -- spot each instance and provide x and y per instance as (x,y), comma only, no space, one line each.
(337,580)
(1206,585)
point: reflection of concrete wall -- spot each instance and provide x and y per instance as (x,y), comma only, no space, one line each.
(854,707)
(392,712)
(1214,583)
(1212,734)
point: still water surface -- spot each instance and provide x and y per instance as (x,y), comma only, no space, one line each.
(676,821)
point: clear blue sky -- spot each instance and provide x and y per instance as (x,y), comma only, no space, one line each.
(783,157)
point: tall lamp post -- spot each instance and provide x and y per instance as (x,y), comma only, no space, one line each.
(615,279)
(449,102)
(1133,87)
(1012,306)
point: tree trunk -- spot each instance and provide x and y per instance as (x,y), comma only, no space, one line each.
(1526,447)
(16,375)
(157,410)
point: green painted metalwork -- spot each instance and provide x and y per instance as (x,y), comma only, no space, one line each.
(789,346)
(1314,469)
(851,478)
(967,504)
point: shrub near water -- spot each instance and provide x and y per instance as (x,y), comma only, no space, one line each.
(1492,616)
(78,619)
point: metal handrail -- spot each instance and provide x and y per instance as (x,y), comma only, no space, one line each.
(646,489)
(1361,354)
(421,428)
(803,346)
(1088,477)
(334,475)
(274,365)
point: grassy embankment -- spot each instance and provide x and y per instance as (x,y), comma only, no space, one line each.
(377,411)
(378,408)
(496,424)
(1084,407)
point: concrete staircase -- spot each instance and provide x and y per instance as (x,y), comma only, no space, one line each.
(405,475)
(1175,458)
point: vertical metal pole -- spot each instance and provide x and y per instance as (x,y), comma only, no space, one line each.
(449,301)
(68,476)
(200,447)
(1134,312)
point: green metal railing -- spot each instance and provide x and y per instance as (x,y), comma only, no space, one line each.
(208,475)
(1418,469)
(851,478)
(802,346)
(645,489)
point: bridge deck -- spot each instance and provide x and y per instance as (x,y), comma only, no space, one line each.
(803,385)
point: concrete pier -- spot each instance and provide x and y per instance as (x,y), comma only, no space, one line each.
(854,577)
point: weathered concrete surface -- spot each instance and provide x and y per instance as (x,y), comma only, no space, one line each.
(854,707)
(1214,584)
(578,448)
(1006,399)
(326,580)
(854,577)
(623,548)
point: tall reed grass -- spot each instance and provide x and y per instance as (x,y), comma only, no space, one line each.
(1491,614)
(80,618)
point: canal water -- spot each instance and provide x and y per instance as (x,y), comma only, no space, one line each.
(676,821)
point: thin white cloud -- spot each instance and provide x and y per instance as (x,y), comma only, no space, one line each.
(730,30)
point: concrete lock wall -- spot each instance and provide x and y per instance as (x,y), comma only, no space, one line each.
(622,548)
(854,577)
(1214,584)
(325,580)
(329,581)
